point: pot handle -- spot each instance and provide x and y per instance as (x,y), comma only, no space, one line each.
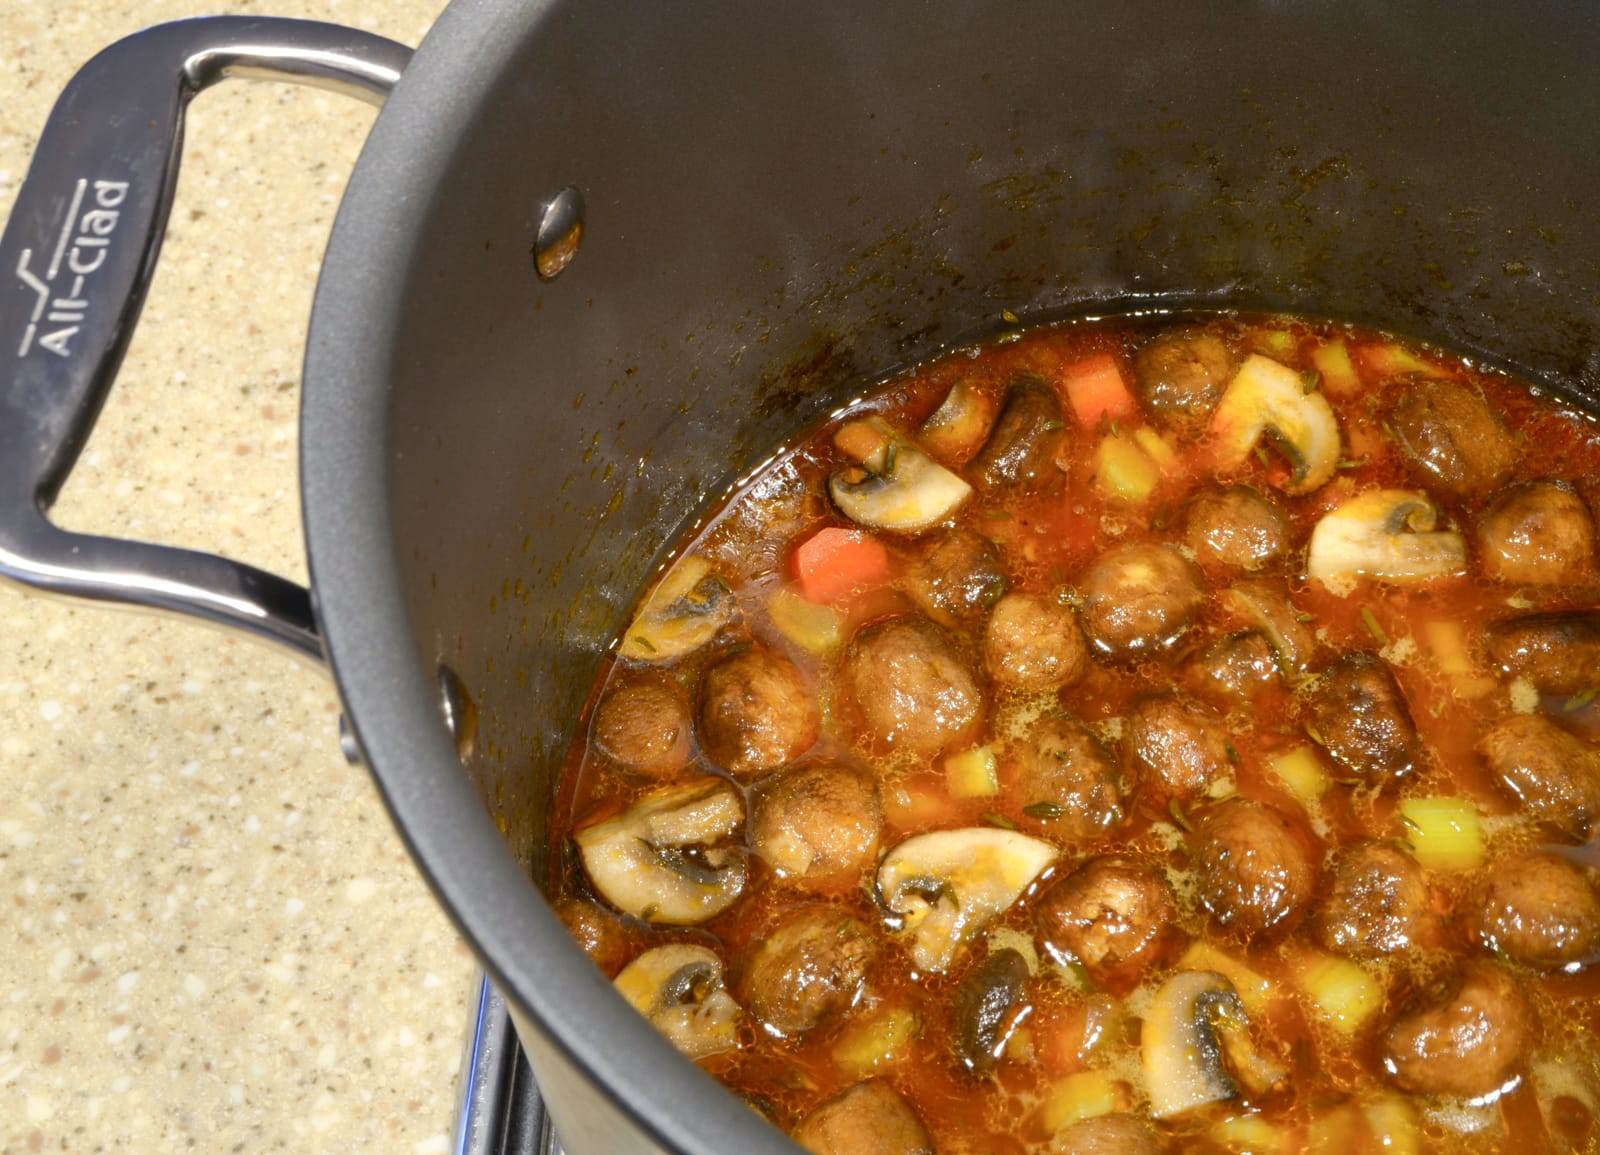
(79,251)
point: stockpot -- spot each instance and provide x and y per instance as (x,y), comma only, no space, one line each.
(596,260)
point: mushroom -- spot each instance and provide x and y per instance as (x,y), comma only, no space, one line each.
(898,486)
(958,428)
(1266,606)
(679,988)
(1195,1046)
(1383,533)
(688,607)
(987,1008)
(656,860)
(1266,397)
(947,885)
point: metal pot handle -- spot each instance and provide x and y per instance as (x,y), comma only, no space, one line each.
(79,251)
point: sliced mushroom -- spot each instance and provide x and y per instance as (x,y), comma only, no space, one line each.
(959,427)
(947,885)
(1196,1048)
(688,607)
(1384,533)
(898,486)
(986,1008)
(1266,606)
(659,861)
(1265,397)
(679,988)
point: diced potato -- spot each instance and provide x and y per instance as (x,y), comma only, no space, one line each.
(1394,1125)
(1124,471)
(1255,990)
(1444,833)
(1301,771)
(919,807)
(1279,343)
(1338,371)
(874,1041)
(1342,994)
(810,626)
(1449,646)
(1249,1135)
(1473,688)
(973,773)
(1337,1131)
(1155,447)
(1077,1097)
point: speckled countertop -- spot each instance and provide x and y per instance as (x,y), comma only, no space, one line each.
(212,938)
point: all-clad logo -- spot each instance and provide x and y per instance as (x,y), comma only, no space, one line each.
(81,249)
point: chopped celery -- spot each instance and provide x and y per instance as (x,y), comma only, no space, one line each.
(1338,371)
(1343,995)
(1249,1135)
(973,773)
(1444,832)
(1255,990)
(1301,771)
(1394,1125)
(1077,1097)
(875,1040)
(1155,447)
(1123,470)
(808,625)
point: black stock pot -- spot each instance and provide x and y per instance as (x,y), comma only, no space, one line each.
(595,261)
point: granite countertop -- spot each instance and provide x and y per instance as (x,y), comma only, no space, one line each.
(213,938)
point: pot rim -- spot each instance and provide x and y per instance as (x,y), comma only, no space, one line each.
(388,696)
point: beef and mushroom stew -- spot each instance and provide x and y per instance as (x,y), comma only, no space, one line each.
(1124,736)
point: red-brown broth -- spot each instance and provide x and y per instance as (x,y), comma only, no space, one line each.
(1046,540)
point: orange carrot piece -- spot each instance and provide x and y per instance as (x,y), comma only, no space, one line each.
(1097,391)
(834,562)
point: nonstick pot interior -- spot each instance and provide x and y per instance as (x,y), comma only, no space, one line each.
(783,203)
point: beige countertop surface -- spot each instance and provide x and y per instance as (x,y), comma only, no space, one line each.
(212,937)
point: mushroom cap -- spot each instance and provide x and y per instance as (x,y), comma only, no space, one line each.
(947,885)
(687,608)
(1263,395)
(1387,534)
(1195,1030)
(898,487)
(679,988)
(656,860)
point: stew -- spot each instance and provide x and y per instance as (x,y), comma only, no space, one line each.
(1121,736)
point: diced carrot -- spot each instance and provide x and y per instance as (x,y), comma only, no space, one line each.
(834,562)
(1096,390)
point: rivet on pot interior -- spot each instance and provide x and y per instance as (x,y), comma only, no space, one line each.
(459,712)
(559,234)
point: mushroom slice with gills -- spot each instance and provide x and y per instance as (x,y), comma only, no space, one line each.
(1266,606)
(959,427)
(897,486)
(659,861)
(1195,1046)
(679,988)
(1268,398)
(688,607)
(946,886)
(1387,534)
